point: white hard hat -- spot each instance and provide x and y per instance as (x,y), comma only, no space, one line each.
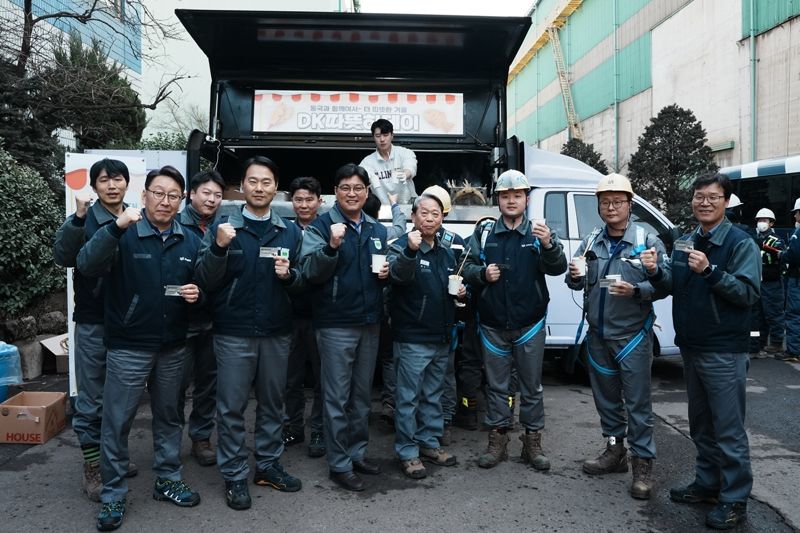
(440,194)
(614,183)
(765,213)
(512,180)
(734,202)
(796,205)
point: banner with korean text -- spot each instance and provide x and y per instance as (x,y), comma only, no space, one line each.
(354,112)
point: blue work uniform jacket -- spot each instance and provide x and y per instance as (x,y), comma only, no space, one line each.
(421,309)
(344,290)
(248,298)
(520,297)
(138,263)
(200,314)
(70,238)
(712,313)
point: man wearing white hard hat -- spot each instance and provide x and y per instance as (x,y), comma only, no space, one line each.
(620,338)
(507,268)
(770,308)
(792,259)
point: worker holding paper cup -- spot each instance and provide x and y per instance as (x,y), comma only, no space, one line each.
(617,303)
(422,271)
(507,266)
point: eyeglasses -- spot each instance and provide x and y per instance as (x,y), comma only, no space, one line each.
(616,203)
(712,198)
(347,189)
(172,197)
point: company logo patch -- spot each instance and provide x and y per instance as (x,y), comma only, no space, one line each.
(181,258)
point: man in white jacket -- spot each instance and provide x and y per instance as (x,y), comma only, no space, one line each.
(391,168)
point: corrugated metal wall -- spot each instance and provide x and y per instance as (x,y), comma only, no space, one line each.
(592,93)
(588,44)
(769,13)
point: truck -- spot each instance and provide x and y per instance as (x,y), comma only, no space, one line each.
(304,88)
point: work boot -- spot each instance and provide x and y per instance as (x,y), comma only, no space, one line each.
(640,487)
(774,348)
(532,450)
(613,459)
(467,414)
(727,515)
(496,451)
(204,453)
(316,448)
(91,483)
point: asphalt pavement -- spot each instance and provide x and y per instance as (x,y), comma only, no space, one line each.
(40,485)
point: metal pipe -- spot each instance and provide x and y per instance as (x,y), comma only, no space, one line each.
(616,90)
(753,95)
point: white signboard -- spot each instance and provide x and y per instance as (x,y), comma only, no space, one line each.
(76,178)
(354,112)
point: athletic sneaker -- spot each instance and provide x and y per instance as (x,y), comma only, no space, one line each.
(178,492)
(277,478)
(110,516)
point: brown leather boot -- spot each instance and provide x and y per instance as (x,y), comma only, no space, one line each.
(613,459)
(641,486)
(532,450)
(496,451)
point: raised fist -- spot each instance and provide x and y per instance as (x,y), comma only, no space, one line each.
(131,215)
(337,235)
(225,234)
(83,200)
(414,239)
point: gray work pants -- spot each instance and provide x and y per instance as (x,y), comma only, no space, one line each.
(243,362)
(527,359)
(90,369)
(304,348)
(347,357)
(200,367)
(127,373)
(621,391)
(715,383)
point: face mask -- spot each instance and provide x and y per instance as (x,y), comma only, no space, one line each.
(762,226)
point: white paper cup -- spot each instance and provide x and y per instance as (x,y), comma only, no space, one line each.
(542,221)
(614,277)
(377,263)
(580,262)
(454,284)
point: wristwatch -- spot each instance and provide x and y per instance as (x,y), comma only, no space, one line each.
(707,271)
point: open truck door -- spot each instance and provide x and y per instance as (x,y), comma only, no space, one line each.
(303,88)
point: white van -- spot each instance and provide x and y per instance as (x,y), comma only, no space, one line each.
(564,194)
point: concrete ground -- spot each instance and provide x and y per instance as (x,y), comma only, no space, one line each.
(40,485)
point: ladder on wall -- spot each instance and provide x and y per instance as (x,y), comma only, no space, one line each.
(575,130)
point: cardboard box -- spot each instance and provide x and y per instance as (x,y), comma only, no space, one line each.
(32,417)
(58,346)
